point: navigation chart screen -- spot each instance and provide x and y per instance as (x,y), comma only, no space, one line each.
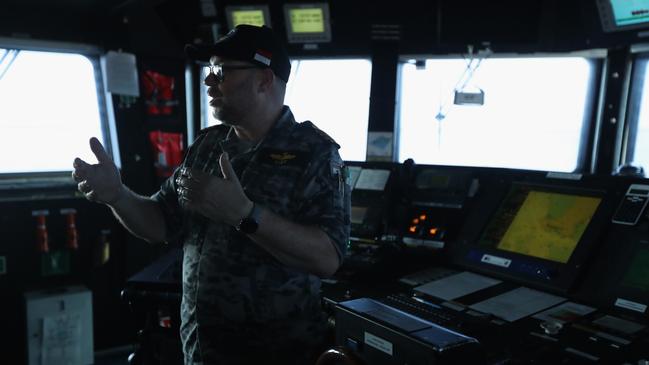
(541,223)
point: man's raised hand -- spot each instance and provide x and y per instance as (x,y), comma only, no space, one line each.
(98,182)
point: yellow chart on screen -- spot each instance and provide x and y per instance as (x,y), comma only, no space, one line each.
(549,225)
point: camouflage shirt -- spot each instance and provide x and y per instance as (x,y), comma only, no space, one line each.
(232,287)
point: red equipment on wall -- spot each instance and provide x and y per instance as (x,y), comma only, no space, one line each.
(42,239)
(158,93)
(71,234)
(167,151)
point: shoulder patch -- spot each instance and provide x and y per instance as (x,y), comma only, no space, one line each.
(308,124)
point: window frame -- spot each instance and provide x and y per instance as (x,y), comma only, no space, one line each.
(95,55)
(636,84)
(590,124)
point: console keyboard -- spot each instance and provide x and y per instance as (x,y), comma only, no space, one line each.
(426,276)
(424,310)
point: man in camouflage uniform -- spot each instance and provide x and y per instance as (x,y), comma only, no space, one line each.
(260,204)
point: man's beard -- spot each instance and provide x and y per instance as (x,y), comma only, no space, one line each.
(225,114)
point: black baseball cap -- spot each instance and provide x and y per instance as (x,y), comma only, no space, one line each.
(258,45)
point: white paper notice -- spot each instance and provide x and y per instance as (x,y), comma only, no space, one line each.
(372,179)
(517,303)
(61,340)
(120,70)
(379,146)
(457,285)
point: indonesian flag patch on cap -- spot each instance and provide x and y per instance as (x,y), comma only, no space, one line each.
(263,56)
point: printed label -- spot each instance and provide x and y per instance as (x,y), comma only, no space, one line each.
(627,304)
(563,175)
(378,343)
(495,260)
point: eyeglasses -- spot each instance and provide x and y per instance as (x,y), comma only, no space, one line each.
(217,70)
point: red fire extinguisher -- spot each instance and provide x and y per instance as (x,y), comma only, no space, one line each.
(42,239)
(71,234)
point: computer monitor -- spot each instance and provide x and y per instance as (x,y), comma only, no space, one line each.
(626,284)
(621,15)
(249,14)
(372,187)
(307,23)
(637,274)
(540,234)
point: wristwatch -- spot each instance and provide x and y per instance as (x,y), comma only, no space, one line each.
(249,224)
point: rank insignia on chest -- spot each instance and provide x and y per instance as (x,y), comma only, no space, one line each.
(283,158)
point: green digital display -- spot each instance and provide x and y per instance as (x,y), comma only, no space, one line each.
(307,20)
(252,17)
(637,276)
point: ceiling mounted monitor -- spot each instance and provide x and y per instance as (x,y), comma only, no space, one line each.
(621,15)
(249,14)
(307,23)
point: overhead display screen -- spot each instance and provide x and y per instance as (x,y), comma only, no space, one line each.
(620,15)
(307,20)
(629,12)
(252,17)
(257,15)
(307,23)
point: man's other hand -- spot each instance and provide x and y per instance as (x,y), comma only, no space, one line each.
(99,182)
(219,199)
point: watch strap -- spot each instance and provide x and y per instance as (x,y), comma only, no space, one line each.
(250,223)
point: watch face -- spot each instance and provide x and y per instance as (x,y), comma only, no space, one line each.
(248,225)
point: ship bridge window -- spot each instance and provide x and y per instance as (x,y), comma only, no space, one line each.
(636,138)
(334,94)
(49,108)
(526,113)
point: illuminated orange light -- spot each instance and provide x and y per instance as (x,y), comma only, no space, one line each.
(415,221)
(422,217)
(432,231)
(412,229)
